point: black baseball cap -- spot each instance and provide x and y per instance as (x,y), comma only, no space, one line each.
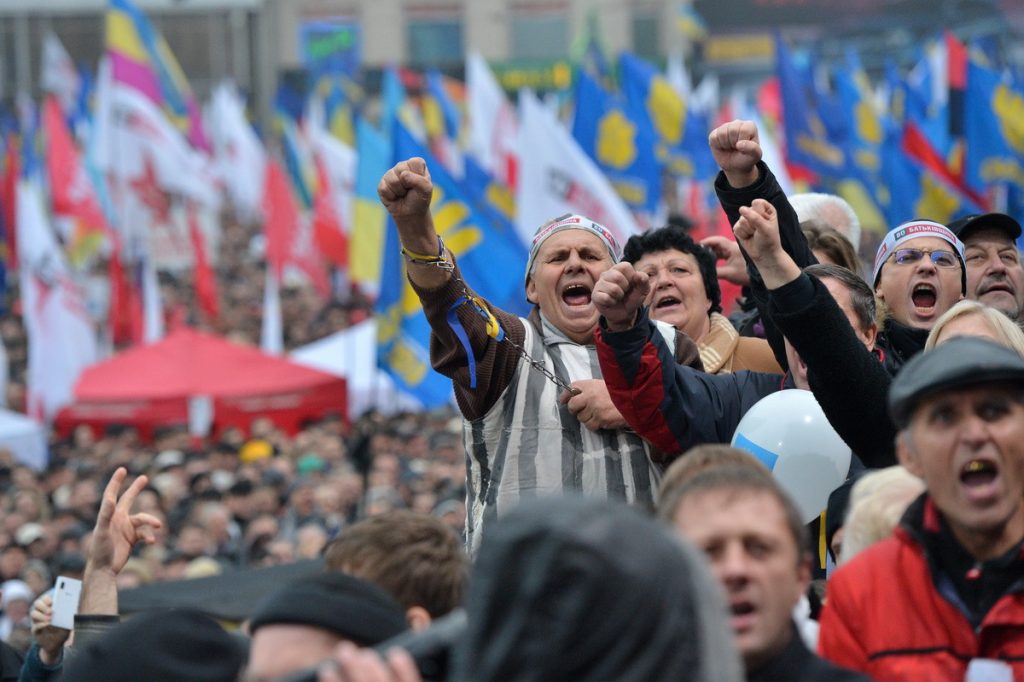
(968,225)
(958,363)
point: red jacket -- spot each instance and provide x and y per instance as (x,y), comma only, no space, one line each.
(887,615)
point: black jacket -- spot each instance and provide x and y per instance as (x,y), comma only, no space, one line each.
(797,664)
(849,381)
(793,241)
(10,662)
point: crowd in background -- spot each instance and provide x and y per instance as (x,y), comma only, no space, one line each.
(233,501)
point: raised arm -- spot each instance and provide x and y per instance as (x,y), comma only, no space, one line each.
(846,378)
(736,147)
(406,191)
(117,531)
(673,407)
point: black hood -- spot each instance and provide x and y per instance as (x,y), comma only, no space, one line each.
(571,589)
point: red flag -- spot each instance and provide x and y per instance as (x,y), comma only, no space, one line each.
(125,303)
(282,218)
(206,279)
(917,147)
(328,232)
(283,231)
(9,199)
(73,193)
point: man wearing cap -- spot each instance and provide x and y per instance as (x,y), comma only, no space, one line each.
(300,625)
(943,598)
(511,408)
(994,272)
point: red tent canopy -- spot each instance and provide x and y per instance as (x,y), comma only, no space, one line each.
(152,386)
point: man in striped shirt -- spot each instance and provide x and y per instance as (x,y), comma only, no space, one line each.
(538,422)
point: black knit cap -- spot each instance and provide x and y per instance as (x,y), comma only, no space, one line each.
(161,645)
(354,609)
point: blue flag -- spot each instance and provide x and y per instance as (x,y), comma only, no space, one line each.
(927,98)
(807,140)
(993,129)
(492,261)
(917,192)
(681,132)
(621,147)
(860,138)
(449,113)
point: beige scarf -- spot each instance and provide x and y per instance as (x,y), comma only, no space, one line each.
(718,345)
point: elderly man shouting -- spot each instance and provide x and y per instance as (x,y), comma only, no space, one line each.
(538,418)
(944,596)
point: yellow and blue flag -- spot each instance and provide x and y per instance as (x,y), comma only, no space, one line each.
(141,59)
(862,135)
(366,244)
(491,258)
(993,129)
(807,141)
(621,147)
(680,131)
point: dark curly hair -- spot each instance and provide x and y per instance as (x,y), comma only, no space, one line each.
(671,237)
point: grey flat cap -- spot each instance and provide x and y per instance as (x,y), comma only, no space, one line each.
(957,363)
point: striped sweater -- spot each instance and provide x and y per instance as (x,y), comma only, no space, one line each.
(520,441)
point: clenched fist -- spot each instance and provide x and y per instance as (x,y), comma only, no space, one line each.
(618,295)
(406,189)
(737,149)
(757,231)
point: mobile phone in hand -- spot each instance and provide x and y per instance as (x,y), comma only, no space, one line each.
(66,594)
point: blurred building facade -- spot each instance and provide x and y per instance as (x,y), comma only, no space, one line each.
(528,42)
(254,42)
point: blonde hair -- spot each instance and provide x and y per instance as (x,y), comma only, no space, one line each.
(1004,330)
(877,502)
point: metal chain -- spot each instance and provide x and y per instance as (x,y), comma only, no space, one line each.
(539,366)
(445,264)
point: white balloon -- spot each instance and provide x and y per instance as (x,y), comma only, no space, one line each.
(789,433)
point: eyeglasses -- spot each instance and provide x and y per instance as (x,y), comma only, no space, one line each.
(942,259)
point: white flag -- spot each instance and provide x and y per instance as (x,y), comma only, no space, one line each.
(59,75)
(132,136)
(492,121)
(240,157)
(339,162)
(272,333)
(61,338)
(556,177)
(152,307)
(676,74)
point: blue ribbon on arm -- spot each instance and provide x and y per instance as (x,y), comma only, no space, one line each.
(494,330)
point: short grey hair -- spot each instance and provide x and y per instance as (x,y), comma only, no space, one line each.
(819,205)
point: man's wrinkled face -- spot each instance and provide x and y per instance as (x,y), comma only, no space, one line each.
(746,537)
(567,267)
(994,273)
(968,447)
(918,292)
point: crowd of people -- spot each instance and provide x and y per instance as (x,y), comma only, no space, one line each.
(239,501)
(581,515)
